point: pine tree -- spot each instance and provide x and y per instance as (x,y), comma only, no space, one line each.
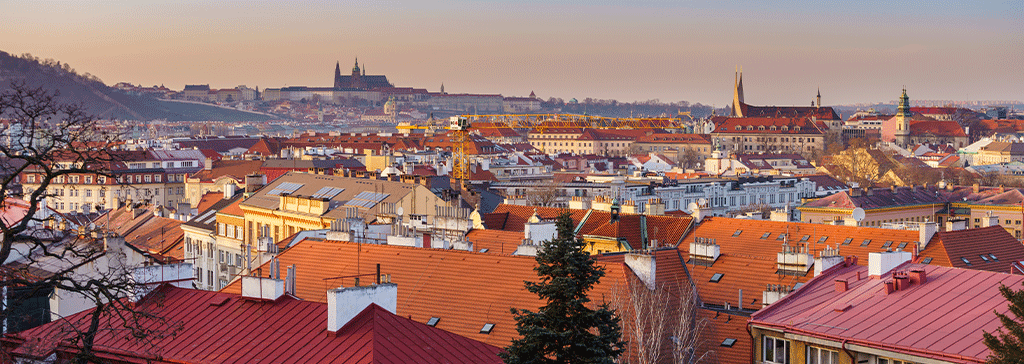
(565,330)
(1008,346)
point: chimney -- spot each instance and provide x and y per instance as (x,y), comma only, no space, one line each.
(643,265)
(343,304)
(881,263)
(855,192)
(254,182)
(841,286)
(209,164)
(829,258)
(229,190)
(977,188)
(926,231)
(262,288)
(989,220)
(956,225)
(918,276)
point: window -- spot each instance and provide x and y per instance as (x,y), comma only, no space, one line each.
(238,260)
(821,356)
(968,262)
(487,329)
(847,241)
(220,255)
(891,361)
(993,257)
(775,350)
(822,239)
(433,321)
(149,178)
(926,260)
(866,242)
(902,245)
(737,233)
(209,277)
(716,277)
(157,177)
(765,236)
(887,244)
(728,342)
(199,275)
(805,237)
(781,237)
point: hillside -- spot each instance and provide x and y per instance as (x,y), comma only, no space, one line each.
(102,100)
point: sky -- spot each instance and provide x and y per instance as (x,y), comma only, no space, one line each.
(854,51)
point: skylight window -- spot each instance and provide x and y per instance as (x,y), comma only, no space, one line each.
(983,257)
(968,262)
(716,277)
(822,239)
(926,260)
(805,238)
(902,245)
(728,342)
(766,235)
(866,242)
(484,250)
(487,329)
(781,237)
(433,321)
(737,233)
(847,241)
(887,244)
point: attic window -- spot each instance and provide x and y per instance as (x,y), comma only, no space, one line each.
(798,285)
(805,238)
(983,257)
(887,244)
(847,241)
(993,257)
(765,236)
(781,237)
(968,262)
(926,260)
(433,321)
(484,250)
(902,245)
(822,239)
(737,233)
(487,329)
(866,242)
(716,277)
(739,127)
(728,342)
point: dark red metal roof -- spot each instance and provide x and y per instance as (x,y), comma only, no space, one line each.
(219,327)
(942,319)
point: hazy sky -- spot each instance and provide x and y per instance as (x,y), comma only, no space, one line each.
(855,51)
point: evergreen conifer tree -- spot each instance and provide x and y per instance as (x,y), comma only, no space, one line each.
(565,330)
(1008,346)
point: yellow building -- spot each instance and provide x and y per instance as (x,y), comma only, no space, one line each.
(300,201)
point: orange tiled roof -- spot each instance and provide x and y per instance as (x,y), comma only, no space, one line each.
(463,289)
(728,125)
(208,200)
(233,209)
(236,169)
(495,241)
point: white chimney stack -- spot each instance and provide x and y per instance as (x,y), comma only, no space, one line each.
(643,265)
(343,304)
(926,231)
(262,288)
(884,262)
(229,190)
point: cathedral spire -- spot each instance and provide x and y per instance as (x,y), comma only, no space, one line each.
(737,94)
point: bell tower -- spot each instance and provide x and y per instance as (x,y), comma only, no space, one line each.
(902,120)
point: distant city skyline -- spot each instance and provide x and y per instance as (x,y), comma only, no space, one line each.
(860,52)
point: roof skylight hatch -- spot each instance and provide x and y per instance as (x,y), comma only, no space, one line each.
(728,342)
(926,260)
(902,245)
(716,277)
(866,242)
(887,244)
(433,321)
(822,239)
(968,262)
(983,257)
(993,257)
(847,241)
(737,233)
(766,235)
(487,328)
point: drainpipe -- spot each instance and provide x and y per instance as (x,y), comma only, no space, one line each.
(753,342)
(853,359)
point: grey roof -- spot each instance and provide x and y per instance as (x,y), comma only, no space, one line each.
(352,188)
(207,219)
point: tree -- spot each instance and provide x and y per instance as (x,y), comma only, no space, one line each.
(545,195)
(565,330)
(690,157)
(46,141)
(1008,344)
(660,320)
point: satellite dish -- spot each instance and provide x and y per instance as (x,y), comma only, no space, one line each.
(400,211)
(702,202)
(693,207)
(858,214)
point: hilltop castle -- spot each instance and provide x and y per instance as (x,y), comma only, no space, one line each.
(358,79)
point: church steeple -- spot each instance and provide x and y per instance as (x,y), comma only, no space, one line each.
(819,97)
(737,94)
(442,88)
(337,70)
(355,68)
(904,107)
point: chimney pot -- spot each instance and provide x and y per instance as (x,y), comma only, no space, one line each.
(841,286)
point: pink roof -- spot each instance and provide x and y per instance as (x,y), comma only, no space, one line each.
(942,319)
(227,328)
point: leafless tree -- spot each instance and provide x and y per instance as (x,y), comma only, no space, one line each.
(690,157)
(47,140)
(661,323)
(545,195)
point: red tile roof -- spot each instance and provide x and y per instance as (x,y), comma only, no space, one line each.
(226,328)
(728,125)
(942,319)
(994,243)
(825,113)
(208,200)
(235,169)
